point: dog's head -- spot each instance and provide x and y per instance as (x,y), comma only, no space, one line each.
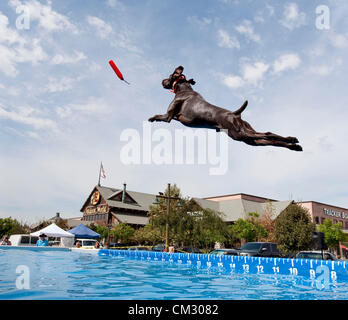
(168,83)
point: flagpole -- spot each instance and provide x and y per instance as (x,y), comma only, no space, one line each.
(99,174)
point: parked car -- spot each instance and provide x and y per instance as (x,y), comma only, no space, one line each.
(162,247)
(190,250)
(139,248)
(316,255)
(23,240)
(87,243)
(54,243)
(228,252)
(260,249)
(118,246)
(159,247)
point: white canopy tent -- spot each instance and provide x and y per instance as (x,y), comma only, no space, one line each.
(67,238)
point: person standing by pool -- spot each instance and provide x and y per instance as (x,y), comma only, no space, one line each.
(5,241)
(42,242)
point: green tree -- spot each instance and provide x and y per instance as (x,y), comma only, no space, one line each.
(333,233)
(293,229)
(10,226)
(249,229)
(122,232)
(267,220)
(209,228)
(147,235)
(189,224)
(61,223)
(102,230)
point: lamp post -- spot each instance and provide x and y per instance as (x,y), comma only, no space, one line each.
(168,198)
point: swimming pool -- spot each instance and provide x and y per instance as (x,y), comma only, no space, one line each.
(81,275)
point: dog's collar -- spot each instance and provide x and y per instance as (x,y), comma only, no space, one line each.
(176,82)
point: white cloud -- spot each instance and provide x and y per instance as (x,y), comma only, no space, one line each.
(124,41)
(115,4)
(23,116)
(247,29)
(46,17)
(7,34)
(66,59)
(322,70)
(15,49)
(339,40)
(103,29)
(7,65)
(201,23)
(268,11)
(233,82)
(226,40)
(325,69)
(59,85)
(94,106)
(252,73)
(286,62)
(292,17)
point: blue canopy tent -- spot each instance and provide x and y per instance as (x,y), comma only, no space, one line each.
(83,232)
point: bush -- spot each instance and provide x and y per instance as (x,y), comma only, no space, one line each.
(333,233)
(122,232)
(293,229)
(10,226)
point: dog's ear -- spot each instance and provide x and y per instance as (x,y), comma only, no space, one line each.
(180,68)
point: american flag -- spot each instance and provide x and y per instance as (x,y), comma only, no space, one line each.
(102,172)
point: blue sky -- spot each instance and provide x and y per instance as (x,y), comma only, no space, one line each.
(62,110)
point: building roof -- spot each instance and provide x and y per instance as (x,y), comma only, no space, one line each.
(131,218)
(142,201)
(73,222)
(232,210)
(235,196)
(325,204)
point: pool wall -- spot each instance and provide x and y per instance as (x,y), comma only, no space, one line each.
(323,270)
(34,248)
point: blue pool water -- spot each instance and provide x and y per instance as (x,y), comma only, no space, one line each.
(76,275)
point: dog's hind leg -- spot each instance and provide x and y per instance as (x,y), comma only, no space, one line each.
(275,143)
(249,131)
(273,137)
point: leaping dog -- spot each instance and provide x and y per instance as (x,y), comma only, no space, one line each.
(190,108)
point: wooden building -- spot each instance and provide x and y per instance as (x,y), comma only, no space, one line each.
(109,207)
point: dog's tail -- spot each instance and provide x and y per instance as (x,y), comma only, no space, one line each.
(241,109)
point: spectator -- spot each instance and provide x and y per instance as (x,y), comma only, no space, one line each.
(42,242)
(97,245)
(78,244)
(171,248)
(5,241)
